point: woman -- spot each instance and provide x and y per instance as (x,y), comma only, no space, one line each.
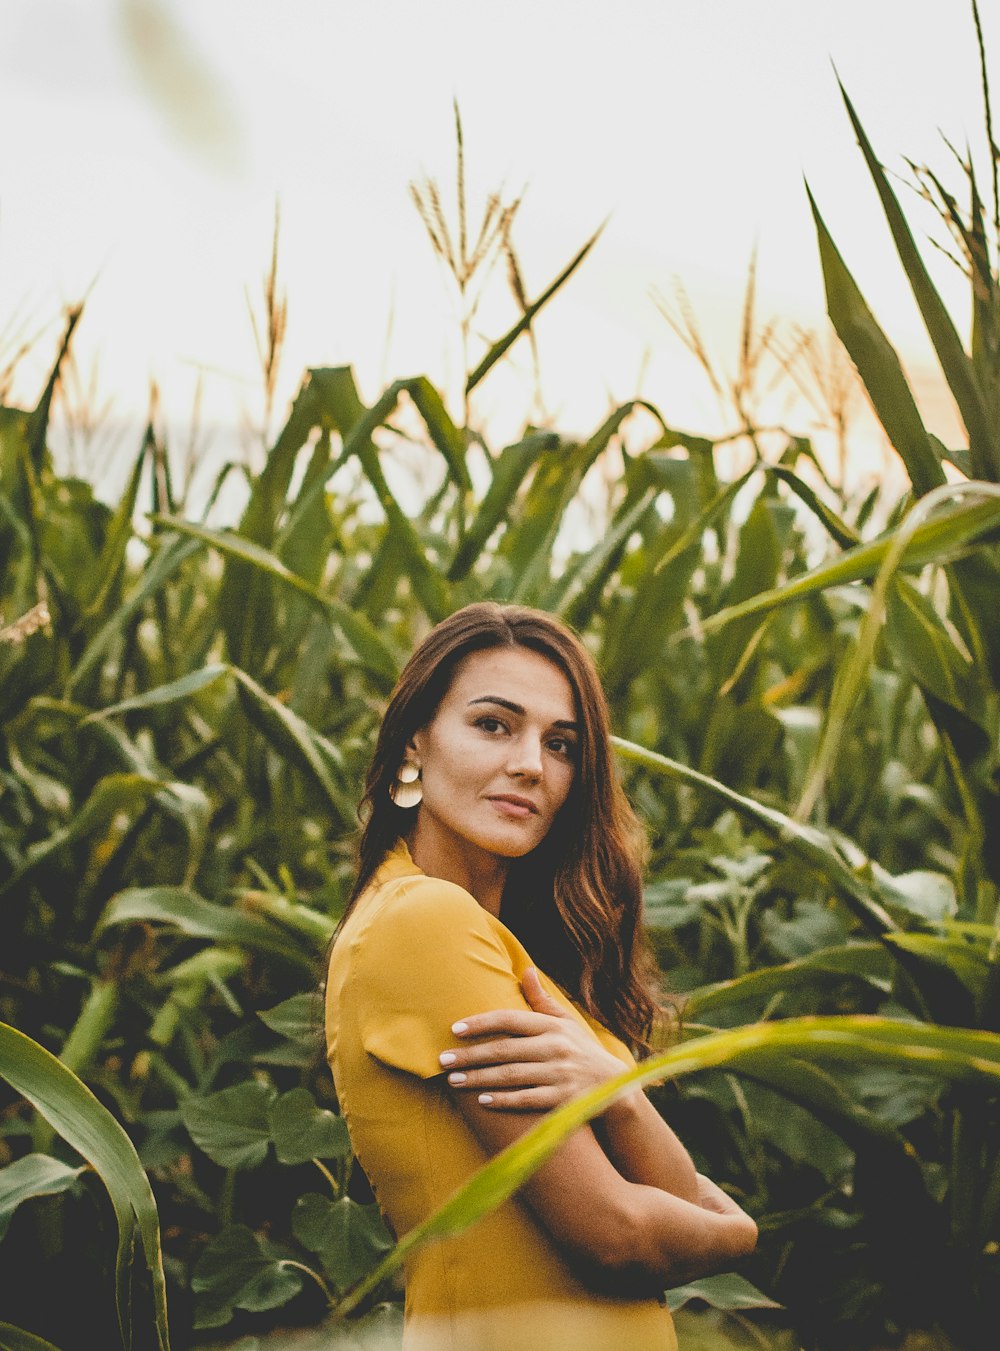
(490,966)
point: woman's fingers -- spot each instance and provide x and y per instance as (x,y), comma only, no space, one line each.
(518,1022)
(540,1001)
(540,1049)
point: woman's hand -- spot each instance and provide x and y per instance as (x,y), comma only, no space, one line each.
(737,1232)
(532,1061)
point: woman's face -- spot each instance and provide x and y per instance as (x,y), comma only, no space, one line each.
(497,760)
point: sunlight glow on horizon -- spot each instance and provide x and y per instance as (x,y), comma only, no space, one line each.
(691,125)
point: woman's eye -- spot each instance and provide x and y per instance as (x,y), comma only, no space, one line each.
(562,746)
(490,724)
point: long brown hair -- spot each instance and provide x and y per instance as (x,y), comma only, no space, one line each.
(575,901)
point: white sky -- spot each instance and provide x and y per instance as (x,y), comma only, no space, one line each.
(147,168)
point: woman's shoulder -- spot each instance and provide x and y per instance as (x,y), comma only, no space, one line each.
(402,901)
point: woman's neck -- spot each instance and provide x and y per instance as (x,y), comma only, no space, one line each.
(482,874)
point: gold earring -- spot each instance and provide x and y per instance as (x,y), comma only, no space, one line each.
(405,789)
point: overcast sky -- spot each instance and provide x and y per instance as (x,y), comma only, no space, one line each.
(146,141)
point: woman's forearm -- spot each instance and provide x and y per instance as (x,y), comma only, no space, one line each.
(675,1240)
(644,1149)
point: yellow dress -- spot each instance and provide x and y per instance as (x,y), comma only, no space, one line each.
(415,955)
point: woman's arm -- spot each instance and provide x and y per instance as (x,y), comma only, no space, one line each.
(539,1060)
(623,1237)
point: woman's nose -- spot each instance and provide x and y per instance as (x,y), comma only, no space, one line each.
(526,757)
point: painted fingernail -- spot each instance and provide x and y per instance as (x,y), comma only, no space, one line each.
(459,1028)
(456,1078)
(486,1099)
(447,1057)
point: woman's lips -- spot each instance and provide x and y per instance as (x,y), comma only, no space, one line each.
(517,808)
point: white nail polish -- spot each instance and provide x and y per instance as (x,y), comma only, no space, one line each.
(456,1078)
(459,1028)
(486,1099)
(447,1058)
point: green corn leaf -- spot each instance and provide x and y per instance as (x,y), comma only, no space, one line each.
(70,1107)
(16,1339)
(115,793)
(867,962)
(32,1175)
(510,469)
(119,532)
(295,739)
(836,527)
(804,842)
(190,914)
(443,432)
(578,592)
(527,547)
(169,558)
(959,371)
(425,579)
(969,964)
(501,347)
(361,636)
(923,647)
(877,363)
(161,695)
(953,1054)
(937,539)
(853,674)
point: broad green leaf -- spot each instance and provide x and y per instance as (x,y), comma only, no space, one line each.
(232,1126)
(90,1129)
(240,1270)
(500,348)
(302,1131)
(959,371)
(192,915)
(953,1054)
(928,895)
(804,842)
(348,1238)
(877,363)
(728,1291)
(32,1175)
(299,1018)
(937,539)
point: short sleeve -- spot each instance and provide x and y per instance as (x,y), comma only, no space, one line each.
(428,958)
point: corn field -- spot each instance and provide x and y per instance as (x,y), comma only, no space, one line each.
(812,738)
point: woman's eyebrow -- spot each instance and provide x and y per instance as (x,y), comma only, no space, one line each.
(509,704)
